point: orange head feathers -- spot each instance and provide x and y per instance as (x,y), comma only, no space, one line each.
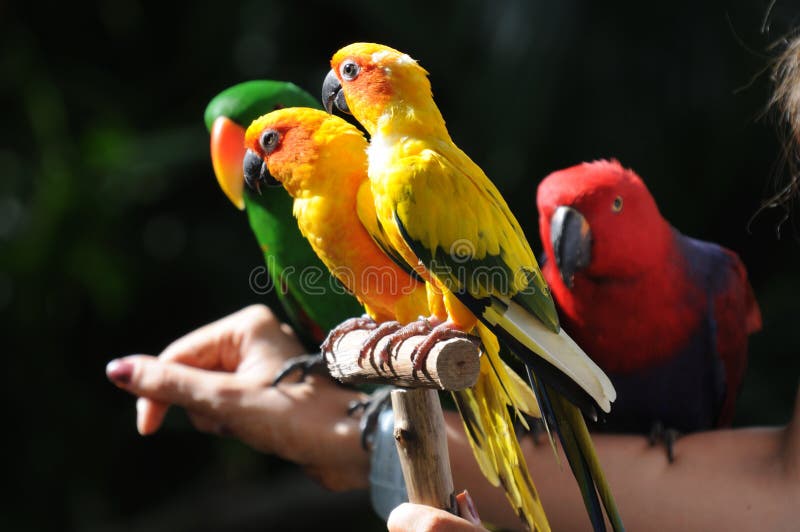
(372,81)
(286,146)
(321,160)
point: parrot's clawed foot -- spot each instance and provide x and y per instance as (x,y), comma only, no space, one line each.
(363,323)
(305,364)
(667,436)
(443,331)
(421,327)
(372,407)
(370,343)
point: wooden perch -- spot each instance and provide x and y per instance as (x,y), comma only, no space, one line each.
(422,447)
(451,365)
(419,428)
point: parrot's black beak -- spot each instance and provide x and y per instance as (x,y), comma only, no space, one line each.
(571,237)
(256,173)
(332,93)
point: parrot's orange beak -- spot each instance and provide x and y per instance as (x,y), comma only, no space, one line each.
(227,152)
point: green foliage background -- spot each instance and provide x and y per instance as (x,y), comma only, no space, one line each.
(115,239)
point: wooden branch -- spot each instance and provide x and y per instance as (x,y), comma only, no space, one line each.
(419,431)
(451,365)
(419,428)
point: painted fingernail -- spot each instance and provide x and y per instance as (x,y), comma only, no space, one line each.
(466,503)
(472,509)
(119,371)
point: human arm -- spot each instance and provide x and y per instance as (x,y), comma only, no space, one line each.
(736,479)
(746,478)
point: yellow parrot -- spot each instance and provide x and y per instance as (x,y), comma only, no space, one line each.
(321,161)
(440,212)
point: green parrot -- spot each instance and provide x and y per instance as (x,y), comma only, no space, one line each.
(314,301)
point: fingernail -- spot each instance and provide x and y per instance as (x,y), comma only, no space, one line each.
(472,510)
(120,371)
(465,502)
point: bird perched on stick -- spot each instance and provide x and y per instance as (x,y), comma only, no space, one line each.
(321,161)
(446,220)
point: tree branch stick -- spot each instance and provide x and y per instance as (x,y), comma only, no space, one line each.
(451,365)
(419,430)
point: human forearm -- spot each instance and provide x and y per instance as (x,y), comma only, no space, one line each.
(727,479)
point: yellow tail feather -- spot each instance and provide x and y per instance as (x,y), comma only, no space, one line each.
(520,395)
(484,409)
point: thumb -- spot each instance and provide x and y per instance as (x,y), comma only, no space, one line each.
(409,517)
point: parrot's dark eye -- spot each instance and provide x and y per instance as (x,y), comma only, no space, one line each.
(617,205)
(349,70)
(269,140)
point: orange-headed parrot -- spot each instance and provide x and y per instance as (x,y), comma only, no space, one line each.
(321,161)
(319,305)
(448,221)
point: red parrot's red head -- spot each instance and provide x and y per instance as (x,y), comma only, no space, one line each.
(599,220)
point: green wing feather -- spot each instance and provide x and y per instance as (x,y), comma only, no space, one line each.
(576,441)
(314,300)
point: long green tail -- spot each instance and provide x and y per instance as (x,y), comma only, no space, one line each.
(573,433)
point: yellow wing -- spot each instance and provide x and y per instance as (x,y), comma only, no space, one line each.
(476,247)
(478,255)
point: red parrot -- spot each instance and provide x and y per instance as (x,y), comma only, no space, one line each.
(666,316)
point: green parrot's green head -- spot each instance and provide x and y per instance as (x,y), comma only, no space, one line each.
(227,117)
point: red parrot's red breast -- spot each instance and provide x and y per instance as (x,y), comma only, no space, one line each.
(652,307)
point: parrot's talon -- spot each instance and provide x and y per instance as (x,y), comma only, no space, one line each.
(364,323)
(443,331)
(416,328)
(667,436)
(305,364)
(372,407)
(370,344)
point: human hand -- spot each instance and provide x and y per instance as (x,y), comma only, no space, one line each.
(222,373)
(409,517)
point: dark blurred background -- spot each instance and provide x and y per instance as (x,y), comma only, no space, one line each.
(115,239)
